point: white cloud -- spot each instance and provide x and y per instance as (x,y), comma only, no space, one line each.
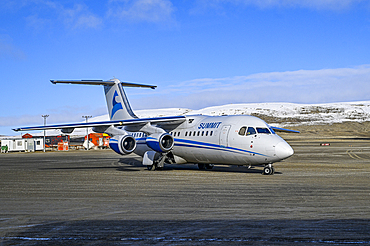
(79,17)
(9,50)
(142,10)
(303,86)
(47,13)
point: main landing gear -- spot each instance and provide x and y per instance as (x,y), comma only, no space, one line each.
(153,167)
(269,169)
(158,163)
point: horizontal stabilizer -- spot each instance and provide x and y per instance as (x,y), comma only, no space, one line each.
(101,82)
(278,129)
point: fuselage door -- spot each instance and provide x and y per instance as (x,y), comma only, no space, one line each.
(224,136)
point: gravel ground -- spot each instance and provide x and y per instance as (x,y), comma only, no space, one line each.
(319,196)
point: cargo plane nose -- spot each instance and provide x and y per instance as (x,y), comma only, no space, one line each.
(283,150)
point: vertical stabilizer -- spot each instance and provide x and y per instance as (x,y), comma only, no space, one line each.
(118,106)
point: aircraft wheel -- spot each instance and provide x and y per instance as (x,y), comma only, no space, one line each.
(151,167)
(267,171)
(209,166)
(201,166)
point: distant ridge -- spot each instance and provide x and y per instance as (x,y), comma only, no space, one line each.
(288,114)
(276,114)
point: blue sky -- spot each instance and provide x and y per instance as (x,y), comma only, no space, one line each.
(199,53)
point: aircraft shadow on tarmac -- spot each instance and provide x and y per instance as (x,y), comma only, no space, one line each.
(132,164)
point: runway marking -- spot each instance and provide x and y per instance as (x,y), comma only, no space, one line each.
(354,155)
(20,226)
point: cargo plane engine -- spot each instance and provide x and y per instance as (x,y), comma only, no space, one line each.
(159,142)
(123,144)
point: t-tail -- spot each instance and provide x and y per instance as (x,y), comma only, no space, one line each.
(118,105)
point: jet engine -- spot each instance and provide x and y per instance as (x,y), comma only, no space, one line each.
(160,142)
(123,144)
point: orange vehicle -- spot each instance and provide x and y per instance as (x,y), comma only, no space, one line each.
(101,140)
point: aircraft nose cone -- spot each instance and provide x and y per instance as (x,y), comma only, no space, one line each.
(283,150)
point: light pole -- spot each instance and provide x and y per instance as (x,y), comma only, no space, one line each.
(87,130)
(44,116)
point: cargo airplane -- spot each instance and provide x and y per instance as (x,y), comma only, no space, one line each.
(241,140)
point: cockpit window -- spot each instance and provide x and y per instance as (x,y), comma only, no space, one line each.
(242,130)
(263,130)
(251,131)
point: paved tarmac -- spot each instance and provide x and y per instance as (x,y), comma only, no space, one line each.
(319,196)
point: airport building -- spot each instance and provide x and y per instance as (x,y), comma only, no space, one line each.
(22,144)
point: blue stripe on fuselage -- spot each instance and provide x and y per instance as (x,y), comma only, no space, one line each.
(202,145)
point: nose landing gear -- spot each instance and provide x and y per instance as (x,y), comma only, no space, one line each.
(269,169)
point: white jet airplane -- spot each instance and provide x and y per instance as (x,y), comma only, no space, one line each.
(241,140)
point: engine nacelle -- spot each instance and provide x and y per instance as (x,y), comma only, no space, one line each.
(123,144)
(160,142)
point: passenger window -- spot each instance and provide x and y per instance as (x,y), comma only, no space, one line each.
(263,130)
(206,133)
(242,131)
(251,131)
(186,134)
(211,133)
(198,133)
(202,133)
(194,134)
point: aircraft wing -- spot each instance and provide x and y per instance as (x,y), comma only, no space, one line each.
(161,120)
(278,129)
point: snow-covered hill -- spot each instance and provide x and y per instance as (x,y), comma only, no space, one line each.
(281,113)
(277,114)
(297,114)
